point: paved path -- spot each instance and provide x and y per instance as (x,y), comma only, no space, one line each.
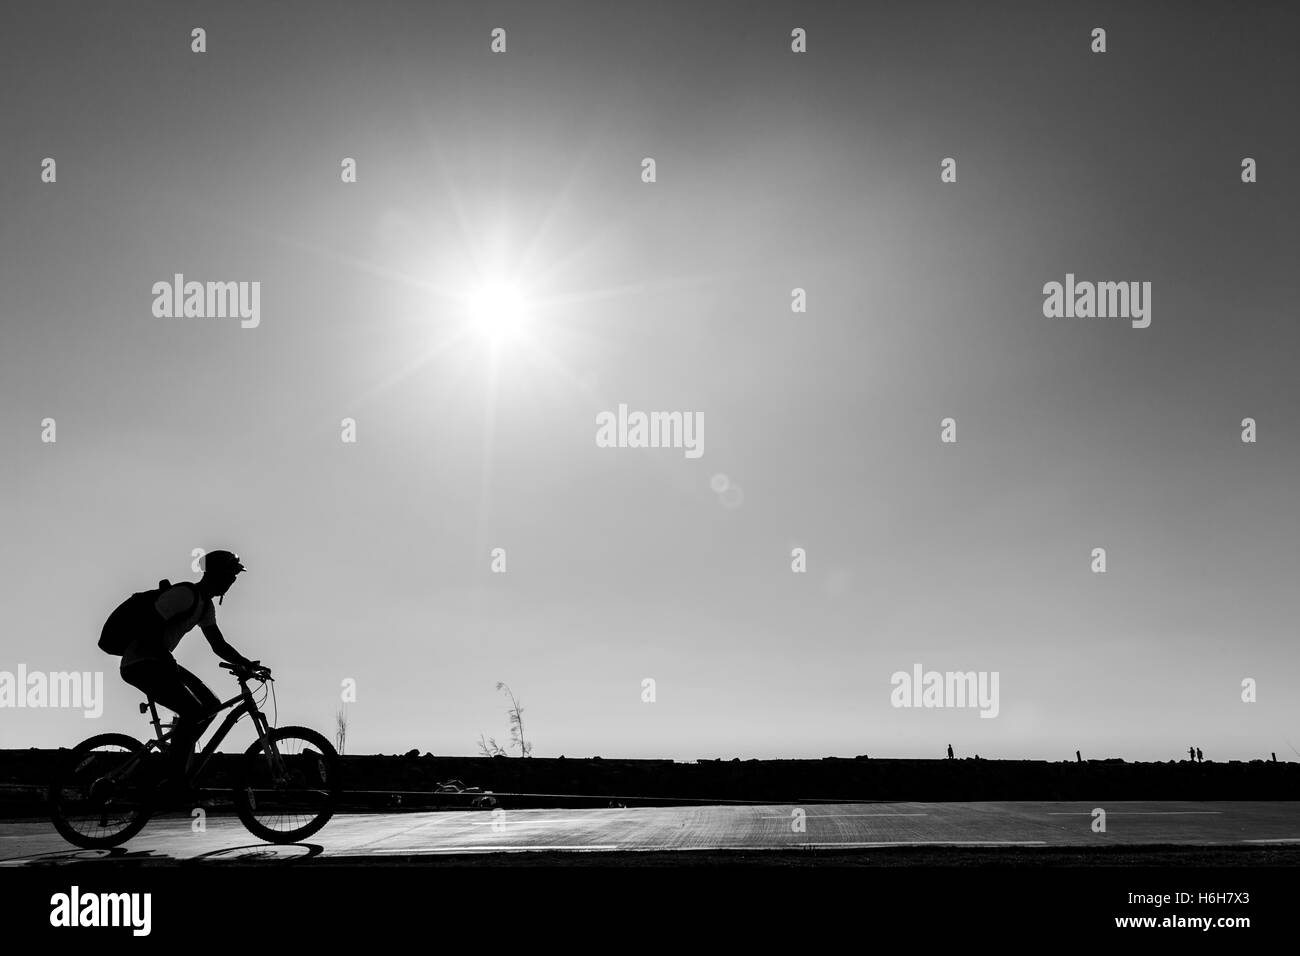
(376,836)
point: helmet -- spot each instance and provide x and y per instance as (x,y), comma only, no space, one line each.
(222,562)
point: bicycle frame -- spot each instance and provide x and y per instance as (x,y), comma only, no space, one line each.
(242,703)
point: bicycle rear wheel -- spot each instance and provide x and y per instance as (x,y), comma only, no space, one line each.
(101,796)
(289,804)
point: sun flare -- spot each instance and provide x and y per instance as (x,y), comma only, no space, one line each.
(498,312)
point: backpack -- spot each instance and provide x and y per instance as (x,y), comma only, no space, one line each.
(135,617)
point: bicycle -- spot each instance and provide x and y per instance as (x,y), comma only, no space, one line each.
(102,797)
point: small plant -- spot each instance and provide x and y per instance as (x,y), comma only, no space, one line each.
(340,729)
(490,747)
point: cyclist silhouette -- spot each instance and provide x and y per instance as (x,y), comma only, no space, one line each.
(148,663)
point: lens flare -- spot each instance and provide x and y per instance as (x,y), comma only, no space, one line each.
(498,312)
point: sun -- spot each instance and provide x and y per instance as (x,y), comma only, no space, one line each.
(498,311)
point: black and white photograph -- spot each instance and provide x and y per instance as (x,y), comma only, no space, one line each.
(732,470)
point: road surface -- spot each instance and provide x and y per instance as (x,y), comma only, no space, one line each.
(377,837)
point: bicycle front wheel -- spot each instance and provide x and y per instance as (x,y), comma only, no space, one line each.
(287,795)
(101,795)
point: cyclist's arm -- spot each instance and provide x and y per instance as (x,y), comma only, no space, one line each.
(222,649)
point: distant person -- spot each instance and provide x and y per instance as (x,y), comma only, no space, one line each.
(1191,754)
(148,664)
(1200,758)
(950,751)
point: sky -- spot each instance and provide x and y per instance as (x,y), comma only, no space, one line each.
(371,561)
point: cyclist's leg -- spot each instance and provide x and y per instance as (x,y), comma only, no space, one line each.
(161,680)
(203,694)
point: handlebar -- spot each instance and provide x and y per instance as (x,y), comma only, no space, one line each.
(257,672)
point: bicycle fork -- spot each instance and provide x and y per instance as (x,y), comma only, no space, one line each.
(279,773)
